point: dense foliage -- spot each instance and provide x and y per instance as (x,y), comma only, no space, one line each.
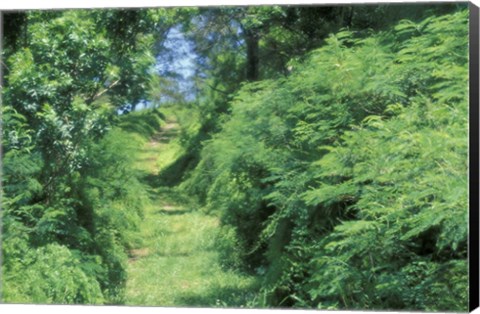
(71,199)
(346,182)
(330,141)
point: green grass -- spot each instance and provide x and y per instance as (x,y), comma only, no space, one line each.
(176,263)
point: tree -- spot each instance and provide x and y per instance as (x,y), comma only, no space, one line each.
(65,182)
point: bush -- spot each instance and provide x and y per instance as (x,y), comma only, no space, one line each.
(52,274)
(338,180)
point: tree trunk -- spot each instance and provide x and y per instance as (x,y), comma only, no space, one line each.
(253,61)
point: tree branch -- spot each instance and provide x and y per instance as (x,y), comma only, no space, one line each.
(97,95)
(216,89)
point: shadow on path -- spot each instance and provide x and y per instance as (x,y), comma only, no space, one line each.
(172,212)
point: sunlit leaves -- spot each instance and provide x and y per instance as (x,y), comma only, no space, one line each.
(411,175)
(355,167)
(51,274)
(70,200)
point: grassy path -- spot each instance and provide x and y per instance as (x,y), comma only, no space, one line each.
(177,264)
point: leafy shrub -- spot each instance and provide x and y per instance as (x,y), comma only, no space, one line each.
(348,176)
(82,233)
(53,274)
(71,200)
